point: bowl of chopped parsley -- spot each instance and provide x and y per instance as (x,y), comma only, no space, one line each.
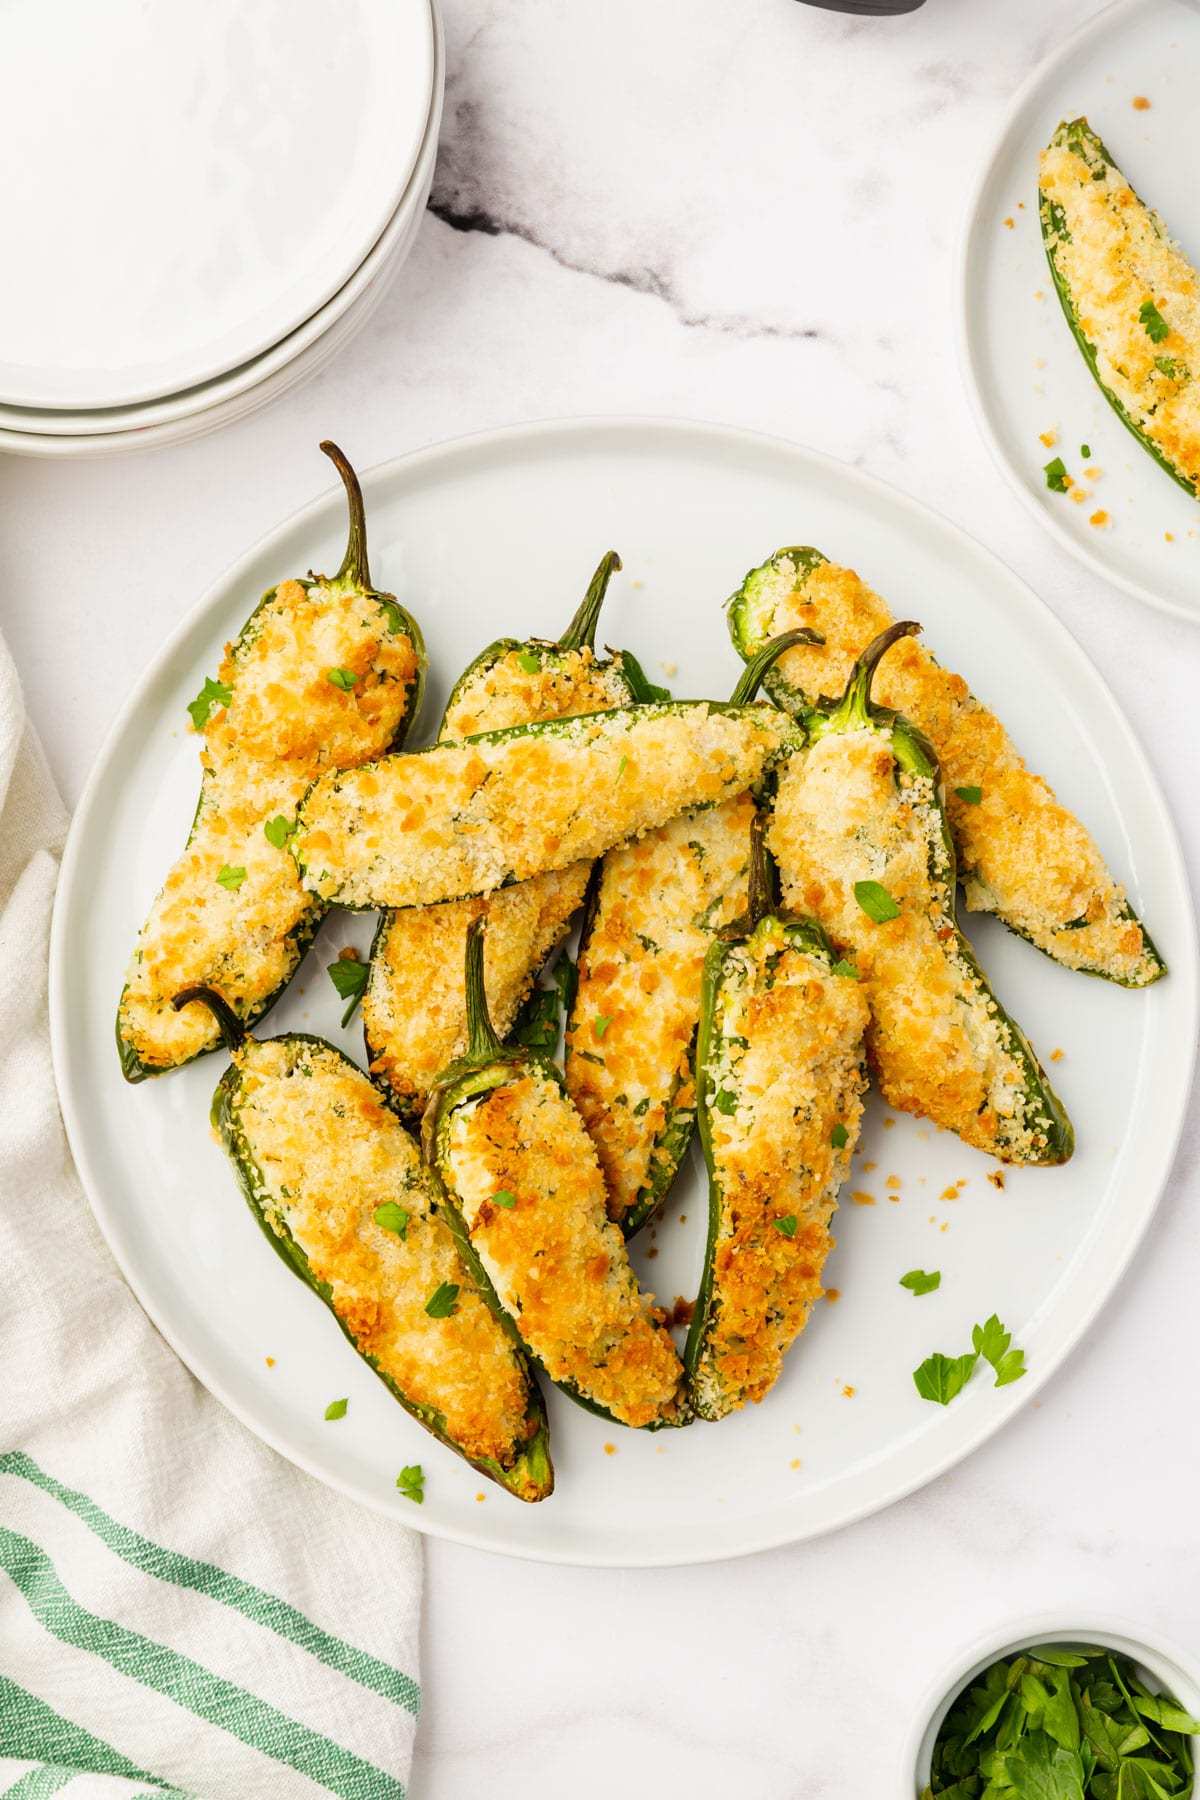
(1088,1709)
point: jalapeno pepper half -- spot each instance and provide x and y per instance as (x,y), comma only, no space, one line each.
(341,1192)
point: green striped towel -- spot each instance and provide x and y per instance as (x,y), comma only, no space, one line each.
(181,1612)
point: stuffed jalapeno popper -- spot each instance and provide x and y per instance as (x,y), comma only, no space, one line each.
(862,843)
(1131,298)
(414,1007)
(1021,855)
(340,1190)
(525,1197)
(651,915)
(780,1075)
(326,673)
(466,818)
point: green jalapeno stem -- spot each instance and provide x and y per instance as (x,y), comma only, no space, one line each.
(354,564)
(766,658)
(854,707)
(233,1032)
(482,1041)
(762,885)
(581,632)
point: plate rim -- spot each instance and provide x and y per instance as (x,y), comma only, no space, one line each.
(757,1532)
(150,390)
(970,228)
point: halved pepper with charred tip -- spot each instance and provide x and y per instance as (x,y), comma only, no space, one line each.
(342,1194)
(651,913)
(861,841)
(1021,854)
(466,818)
(780,1076)
(525,1197)
(327,673)
(414,1007)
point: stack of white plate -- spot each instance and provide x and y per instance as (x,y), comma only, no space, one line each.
(201,204)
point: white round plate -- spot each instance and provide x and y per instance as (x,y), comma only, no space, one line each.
(26,429)
(292,374)
(1023,368)
(690,508)
(214,175)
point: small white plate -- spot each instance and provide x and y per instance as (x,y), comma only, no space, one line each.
(212,176)
(499,534)
(297,356)
(1023,369)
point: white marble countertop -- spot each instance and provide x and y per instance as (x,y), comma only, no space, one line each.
(745,213)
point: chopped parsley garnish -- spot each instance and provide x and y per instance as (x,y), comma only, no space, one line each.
(411,1482)
(1056,475)
(839,1137)
(642,1107)
(970,795)
(918,1282)
(341,678)
(600,1025)
(787,1226)
(213,693)
(724,1101)
(390,1217)
(278,830)
(230,878)
(847,969)
(1172,368)
(876,902)
(1156,327)
(503,1198)
(528,661)
(940,1378)
(349,976)
(1085,450)
(621,767)
(440,1303)
(336,1409)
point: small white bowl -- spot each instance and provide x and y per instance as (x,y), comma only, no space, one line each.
(1175,1670)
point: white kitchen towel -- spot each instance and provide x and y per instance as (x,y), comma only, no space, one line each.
(181,1611)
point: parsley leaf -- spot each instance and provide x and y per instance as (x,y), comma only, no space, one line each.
(528,661)
(970,795)
(1085,450)
(411,1482)
(876,902)
(918,1282)
(600,1025)
(940,1378)
(845,968)
(440,1303)
(503,1198)
(1056,475)
(336,1409)
(1155,325)
(724,1101)
(839,1137)
(787,1226)
(341,678)
(349,976)
(213,693)
(230,878)
(390,1217)
(621,766)
(991,1340)
(278,830)
(1010,1368)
